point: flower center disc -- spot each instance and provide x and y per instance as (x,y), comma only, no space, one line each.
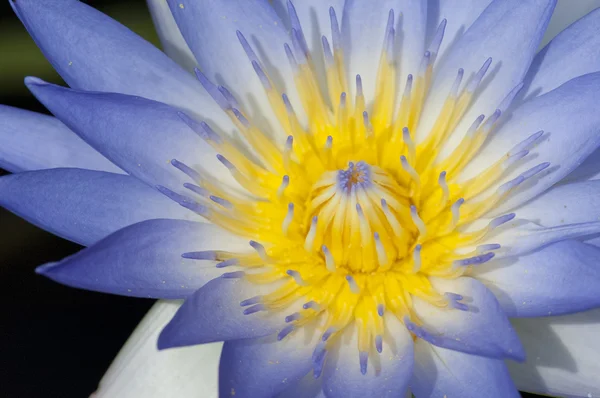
(357,212)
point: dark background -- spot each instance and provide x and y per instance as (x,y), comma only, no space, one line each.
(55,341)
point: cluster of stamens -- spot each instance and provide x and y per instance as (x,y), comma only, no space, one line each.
(349,218)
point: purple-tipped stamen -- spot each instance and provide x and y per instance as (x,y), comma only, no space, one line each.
(187,170)
(291,58)
(476,260)
(203,255)
(293,317)
(228,96)
(247,48)
(311,304)
(487,247)
(434,47)
(328,334)
(233,275)
(327,51)
(225,162)
(251,301)
(196,189)
(183,201)
(336,36)
(496,222)
(264,80)
(228,263)
(220,201)
(285,331)
(454,301)
(363,359)
(212,90)
(254,309)
(301,56)
(379,343)
(295,21)
(474,83)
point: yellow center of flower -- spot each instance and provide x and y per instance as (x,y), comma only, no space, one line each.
(351,216)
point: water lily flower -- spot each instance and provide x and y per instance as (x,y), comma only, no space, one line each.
(358,198)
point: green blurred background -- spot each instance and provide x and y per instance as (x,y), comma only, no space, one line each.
(55,341)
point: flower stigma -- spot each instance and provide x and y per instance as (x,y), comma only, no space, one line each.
(352,219)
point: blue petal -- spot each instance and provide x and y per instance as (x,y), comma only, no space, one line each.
(265,367)
(32,141)
(387,374)
(568,115)
(215,313)
(308,387)
(84,205)
(170,37)
(363,31)
(144,260)
(559,279)
(139,135)
(576,202)
(562,355)
(588,170)
(459,14)
(482,330)
(509,32)
(209,27)
(574,52)
(91,51)
(441,372)
(521,236)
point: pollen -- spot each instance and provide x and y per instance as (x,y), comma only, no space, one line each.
(351,218)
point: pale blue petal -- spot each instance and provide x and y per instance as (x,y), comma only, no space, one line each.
(91,51)
(84,205)
(440,372)
(574,52)
(144,260)
(363,31)
(509,32)
(32,141)
(170,37)
(482,330)
(265,367)
(215,313)
(562,355)
(387,373)
(558,279)
(140,370)
(569,118)
(209,27)
(139,135)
